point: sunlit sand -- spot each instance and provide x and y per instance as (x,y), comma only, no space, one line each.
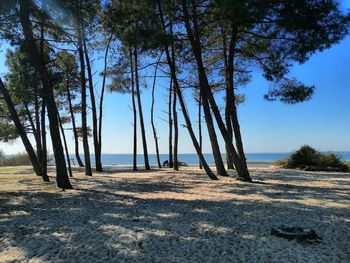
(157,216)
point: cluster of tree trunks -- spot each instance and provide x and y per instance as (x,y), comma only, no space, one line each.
(192,44)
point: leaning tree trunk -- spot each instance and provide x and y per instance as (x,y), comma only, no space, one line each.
(204,93)
(84,127)
(152,115)
(62,178)
(142,124)
(193,35)
(74,128)
(212,136)
(134,112)
(65,146)
(206,167)
(97,148)
(233,109)
(20,129)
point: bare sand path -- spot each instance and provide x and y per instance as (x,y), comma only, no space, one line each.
(162,216)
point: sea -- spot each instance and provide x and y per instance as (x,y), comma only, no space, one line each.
(254,159)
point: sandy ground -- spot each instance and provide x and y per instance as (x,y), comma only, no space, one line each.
(162,216)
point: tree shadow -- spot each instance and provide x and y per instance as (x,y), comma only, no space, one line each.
(105,221)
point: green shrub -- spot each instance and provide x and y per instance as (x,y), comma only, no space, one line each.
(308,157)
(330,159)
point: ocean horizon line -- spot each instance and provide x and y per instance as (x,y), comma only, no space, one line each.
(285,152)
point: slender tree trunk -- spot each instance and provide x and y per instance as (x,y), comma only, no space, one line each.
(176,128)
(229,157)
(170,122)
(200,127)
(213,137)
(65,146)
(152,115)
(20,129)
(62,178)
(176,134)
(87,160)
(74,127)
(43,139)
(233,108)
(42,134)
(204,94)
(142,125)
(36,130)
(39,147)
(172,68)
(103,93)
(97,147)
(242,170)
(134,111)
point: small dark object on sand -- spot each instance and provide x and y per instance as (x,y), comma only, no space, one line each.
(298,233)
(166,163)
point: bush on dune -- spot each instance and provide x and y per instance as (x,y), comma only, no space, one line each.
(306,155)
(307,158)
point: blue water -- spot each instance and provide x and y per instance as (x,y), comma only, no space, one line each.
(191,159)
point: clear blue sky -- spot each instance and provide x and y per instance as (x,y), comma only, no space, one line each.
(323,122)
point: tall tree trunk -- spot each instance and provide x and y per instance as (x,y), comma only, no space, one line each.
(176,128)
(213,137)
(37,135)
(176,134)
(42,134)
(20,129)
(242,170)
(142,125)
(84,127)
(152,115)
(233,107)
(103,92)
(38,141)
(62,178)
(172,68)
(74,127)
(65,146)
(170,123)
(43,139)
(97,147)
(134,111)
(229,157)
(200,127)
(204,94)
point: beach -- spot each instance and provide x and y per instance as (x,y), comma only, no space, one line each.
(162,215)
